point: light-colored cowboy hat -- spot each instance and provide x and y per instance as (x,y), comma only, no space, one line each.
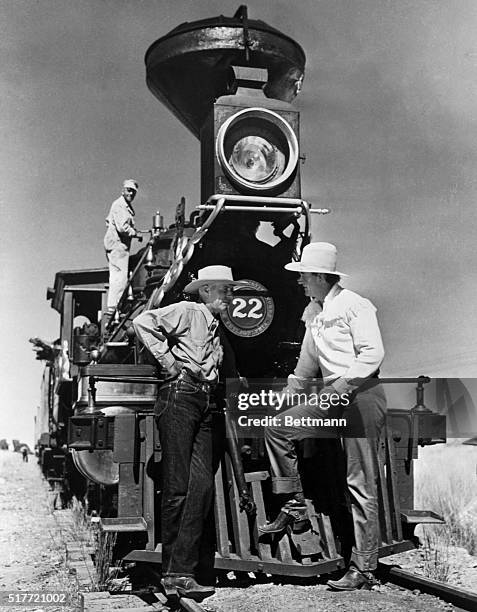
(317,257)
(210,275)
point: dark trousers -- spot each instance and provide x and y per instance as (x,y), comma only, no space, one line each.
(184,420)
(365,416)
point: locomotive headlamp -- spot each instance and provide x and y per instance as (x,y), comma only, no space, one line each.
(257,149)
(256,160)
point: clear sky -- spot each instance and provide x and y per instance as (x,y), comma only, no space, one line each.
(389,130)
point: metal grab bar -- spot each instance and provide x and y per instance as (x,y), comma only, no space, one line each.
(257,199)
(298,202)
(297,210)
(127,379)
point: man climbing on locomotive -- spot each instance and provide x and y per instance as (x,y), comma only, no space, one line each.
(184,339)
(117,241)
(343,341)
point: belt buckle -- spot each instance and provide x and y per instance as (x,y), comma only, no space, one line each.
(203,385)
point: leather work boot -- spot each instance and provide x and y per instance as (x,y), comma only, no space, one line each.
(291,513)
(352,581)
(186,586)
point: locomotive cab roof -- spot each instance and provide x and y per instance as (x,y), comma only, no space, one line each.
(92,279)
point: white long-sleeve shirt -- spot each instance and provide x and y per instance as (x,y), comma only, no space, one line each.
(343,339)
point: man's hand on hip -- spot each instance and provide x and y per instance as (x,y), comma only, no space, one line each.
(173,371)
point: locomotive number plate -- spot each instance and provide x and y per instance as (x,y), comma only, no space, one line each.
(249,314)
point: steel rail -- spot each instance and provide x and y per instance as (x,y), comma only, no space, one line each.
(466,600)
(189,605)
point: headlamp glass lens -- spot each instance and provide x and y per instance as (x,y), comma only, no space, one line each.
(256,160)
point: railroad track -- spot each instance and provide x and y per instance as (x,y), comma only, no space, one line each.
(189,605)
(148,601)
(466,600)
(80,564)
(156,602)
(104,601)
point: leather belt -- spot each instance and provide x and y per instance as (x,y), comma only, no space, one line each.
(205,385)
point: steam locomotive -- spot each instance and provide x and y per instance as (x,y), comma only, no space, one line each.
(231,81)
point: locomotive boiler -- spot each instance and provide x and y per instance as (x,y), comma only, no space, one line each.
(231,81)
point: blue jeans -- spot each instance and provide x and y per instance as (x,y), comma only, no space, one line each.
(184,419)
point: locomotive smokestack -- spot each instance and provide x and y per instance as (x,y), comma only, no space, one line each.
(189,68)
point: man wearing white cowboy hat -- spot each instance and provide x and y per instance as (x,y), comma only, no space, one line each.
(184,339)
(343,340)
(117,241)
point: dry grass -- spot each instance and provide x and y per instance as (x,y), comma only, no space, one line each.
(105,543)
(437,559)
(446,482)
(109,573)
(100,544)
(81,528)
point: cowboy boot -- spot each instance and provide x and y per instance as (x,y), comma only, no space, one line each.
(186,586)
(292,512)
(353,580)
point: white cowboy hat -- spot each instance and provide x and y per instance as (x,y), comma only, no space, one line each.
(317,257)
(131,184)
(212,274)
